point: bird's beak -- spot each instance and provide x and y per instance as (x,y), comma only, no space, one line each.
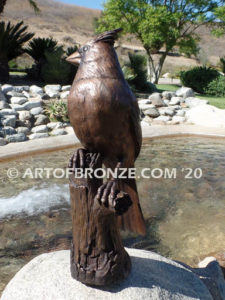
(74,58)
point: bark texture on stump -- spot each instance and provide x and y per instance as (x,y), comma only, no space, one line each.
(97,254)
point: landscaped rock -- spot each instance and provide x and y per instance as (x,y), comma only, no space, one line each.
(32,104)
(185,92)
(25,123)
(9,121)
(180,113)
(7,130)
(14,94)
(66,88)
(152,112)
(156,99)
(26,94)
(8,112)
(59,131)
(166,101)
(16,138)
(23,130)
(55,125)
(3,142)
(206,115)
(192,102)
(2,97)
(166,111)
(64,95)
(38,135)
(52,90)
(168,95)
(152,277)
(18,100)
(144,101)
(36,90)
(4,105)
(178,119)
(144,107)
(16,107)
(22,88)
(39,129)
(162,119)
(36,111)
(175,100)
(7,88)
(41,120)
(24,115)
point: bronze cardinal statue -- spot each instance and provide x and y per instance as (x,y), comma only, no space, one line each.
(105,116)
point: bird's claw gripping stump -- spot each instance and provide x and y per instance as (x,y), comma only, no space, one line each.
(97,254)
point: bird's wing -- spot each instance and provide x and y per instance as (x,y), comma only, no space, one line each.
(135,127)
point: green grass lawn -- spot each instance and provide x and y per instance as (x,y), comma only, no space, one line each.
(216,101)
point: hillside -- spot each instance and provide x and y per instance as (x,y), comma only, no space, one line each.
(71,24)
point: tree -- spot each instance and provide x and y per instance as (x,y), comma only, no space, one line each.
(219,30)
(160,25)
(31,2)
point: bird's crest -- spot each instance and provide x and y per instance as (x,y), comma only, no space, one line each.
(108,36)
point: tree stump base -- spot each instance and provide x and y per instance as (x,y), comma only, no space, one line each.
(97,254)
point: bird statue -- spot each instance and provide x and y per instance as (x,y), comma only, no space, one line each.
(105,116)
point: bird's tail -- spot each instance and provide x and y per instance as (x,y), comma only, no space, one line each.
(133,219)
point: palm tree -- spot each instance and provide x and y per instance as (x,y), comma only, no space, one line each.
(12,39)
(31,2)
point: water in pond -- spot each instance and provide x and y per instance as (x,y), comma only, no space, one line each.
(185,216)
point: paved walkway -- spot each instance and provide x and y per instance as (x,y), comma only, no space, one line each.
(14,150)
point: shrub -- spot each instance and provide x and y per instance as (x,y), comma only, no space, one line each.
(57,110)
(135,72)
(198,78)
(216,87)
(222,64)
(56,69)
(12,39)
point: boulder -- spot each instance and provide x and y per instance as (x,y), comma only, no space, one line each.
(2,97)
(152,112)
(18,100)
(152,277)
(64,95)
(32,103)
(185,92)
(36,111)
(41,120)
(3,142)
(166,111)
(144,101)
(15,94)
(59,131)
(162,119)
(66,88)
(206,115)
(52,90)
(7,112)
(175,100)
(16,138)
(192,102)
(7,130)
(178,119)
(4,105)
(24,115)
(16,107)
(55,125)
(9,121)
(23,130)
(144,107)
(38,135)
(40,129)
(7,88)
(20,89)
(36,90)
(168,95)
(180,113)
(26,94)
(156,99)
